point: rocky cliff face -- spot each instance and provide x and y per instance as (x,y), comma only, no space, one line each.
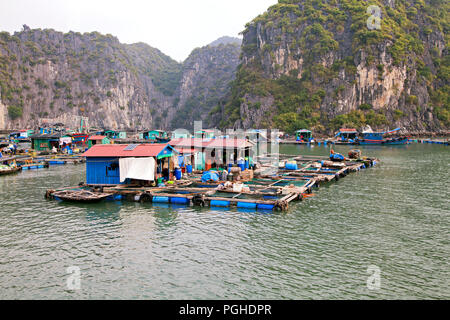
(326,64)
(207,73)
(46,74)
(49,76)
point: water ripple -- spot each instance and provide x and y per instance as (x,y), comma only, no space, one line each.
(394,216)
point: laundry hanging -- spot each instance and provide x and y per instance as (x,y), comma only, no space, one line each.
(137,168)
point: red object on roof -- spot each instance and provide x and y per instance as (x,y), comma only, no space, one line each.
(209,143)
(347,130)
(97,137)
(118,150)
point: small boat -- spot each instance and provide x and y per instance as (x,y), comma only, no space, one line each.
(376,138)
(4,170)
(80,196)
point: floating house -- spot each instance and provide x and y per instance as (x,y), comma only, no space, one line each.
(213,153)
(59,127)
(114,164)
(304,135)
(347,135)
(205,134)
(155,135)
(21,135)
(94,140)
(46,142)
(111,134)
(180,134)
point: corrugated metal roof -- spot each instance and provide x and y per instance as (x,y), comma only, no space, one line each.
(97,137)
(118,150)
(210,143)
(48,135)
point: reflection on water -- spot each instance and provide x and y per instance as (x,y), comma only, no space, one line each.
(394,216)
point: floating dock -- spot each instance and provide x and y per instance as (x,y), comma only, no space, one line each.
(274,188)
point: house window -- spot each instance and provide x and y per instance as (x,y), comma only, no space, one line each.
(112,170)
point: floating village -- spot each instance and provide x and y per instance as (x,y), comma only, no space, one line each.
(203,169)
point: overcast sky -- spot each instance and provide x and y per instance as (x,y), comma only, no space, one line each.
(175,27)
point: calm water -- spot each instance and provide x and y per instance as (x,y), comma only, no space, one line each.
(395,216)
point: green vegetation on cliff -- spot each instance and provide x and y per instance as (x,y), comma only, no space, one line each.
(310,57)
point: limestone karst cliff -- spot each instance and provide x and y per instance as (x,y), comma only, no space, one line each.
(326,64)
(57,77)
(302,63)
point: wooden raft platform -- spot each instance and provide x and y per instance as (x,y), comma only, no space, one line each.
(265,192)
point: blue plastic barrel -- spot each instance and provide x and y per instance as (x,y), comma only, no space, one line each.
(246,205)
(241,164)
(265,206)
(179,200)
(160,199)
(178,174)
(291,166)
(219,203)
(189,168)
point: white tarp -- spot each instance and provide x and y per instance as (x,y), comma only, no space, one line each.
(67,140)
(137,168)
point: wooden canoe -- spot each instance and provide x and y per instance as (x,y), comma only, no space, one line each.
(80,196)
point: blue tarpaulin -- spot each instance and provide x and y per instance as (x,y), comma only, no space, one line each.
(210,176)
(181,161)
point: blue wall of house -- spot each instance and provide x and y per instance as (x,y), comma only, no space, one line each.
(102,171)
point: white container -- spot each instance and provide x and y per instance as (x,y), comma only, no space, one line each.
(237,187)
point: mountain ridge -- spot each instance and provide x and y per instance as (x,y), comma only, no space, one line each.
(51,76)
(317,64)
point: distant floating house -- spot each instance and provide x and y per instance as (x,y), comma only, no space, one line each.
(115,164)
(205,134)
(304,135)
(155,136)
(95,140)
(210,153)
(346,134)
(46,142)
(112,134)
(180,134)
(21,135)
